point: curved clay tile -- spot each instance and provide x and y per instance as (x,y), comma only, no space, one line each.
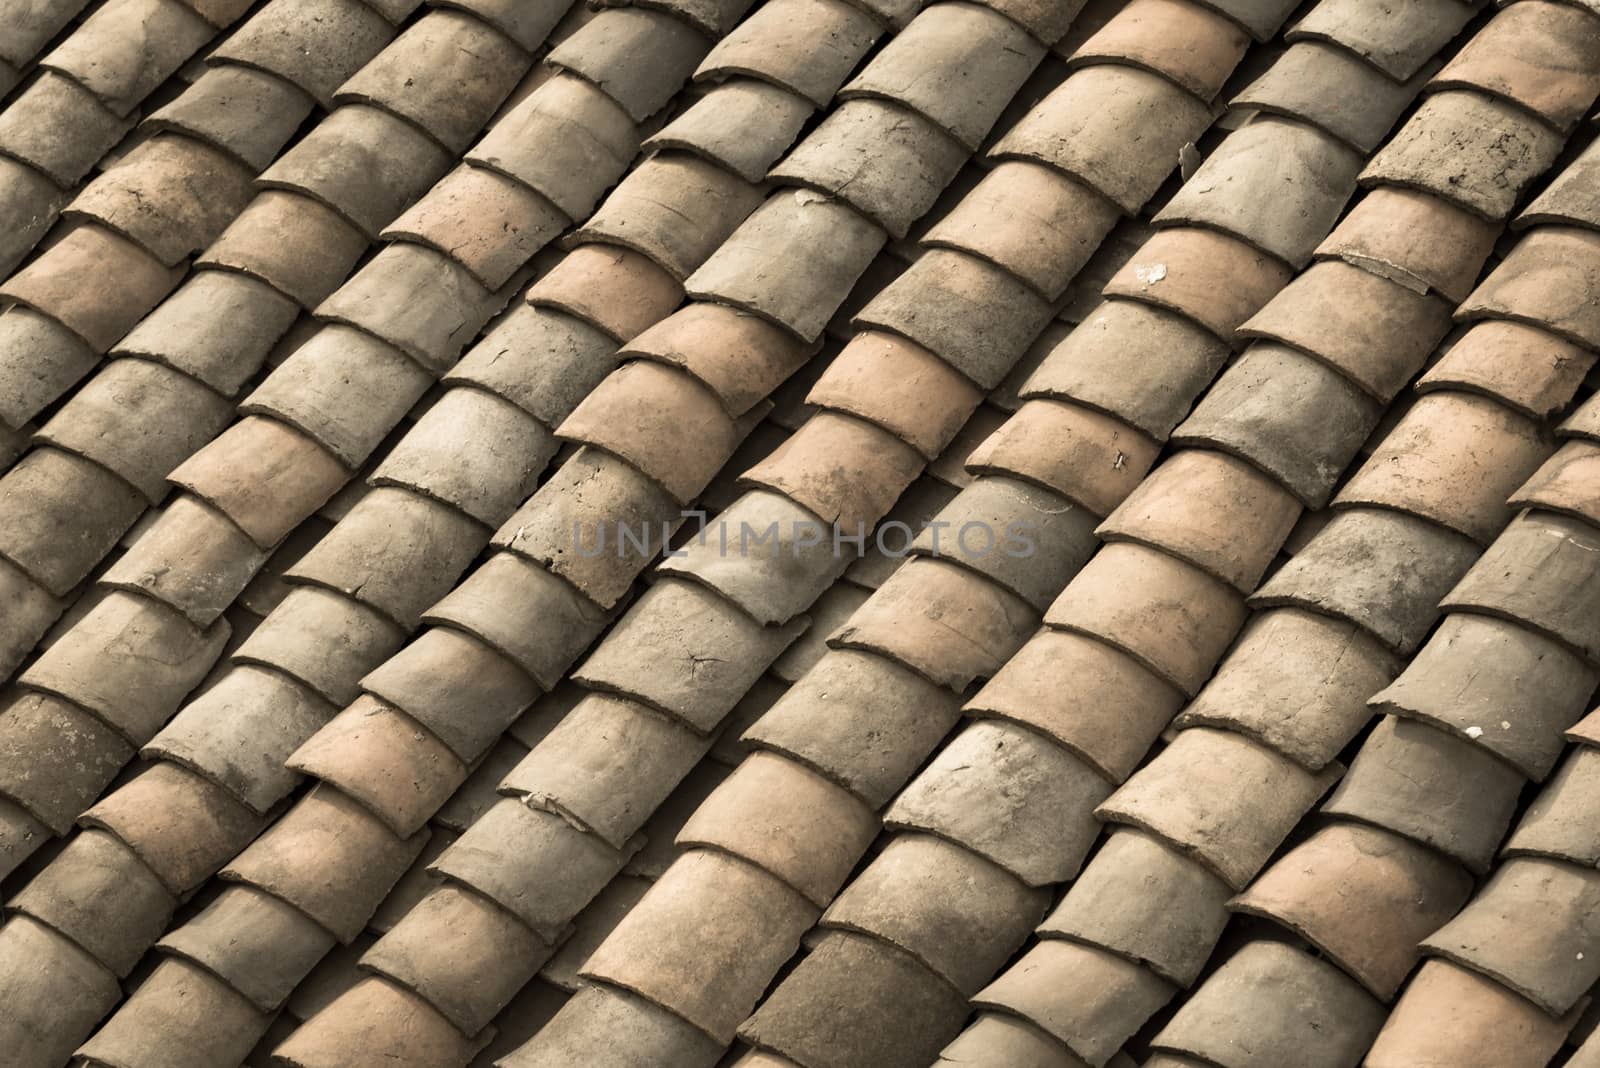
(808,47)
(1145,901)
(1542,56)
(1297,682)
(1451,1016)
(1333,91)
(1272,1004)
(958,64)
(1518,711)
(1007,794)
(1362,896)
(860,719)
(1147,35)
(1109,998)
(1532,927)
(1179,269)
(1559,822)
(1431,787)
(1524,367)
(1471,150)
(1188,797)
(1098,703)
(954,911)
(1382,570)
(1169,615)
(1195,505)
(1033,220)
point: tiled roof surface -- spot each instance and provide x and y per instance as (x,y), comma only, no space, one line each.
(376,697)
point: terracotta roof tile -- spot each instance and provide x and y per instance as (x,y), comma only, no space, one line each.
(1178,269)
(156,37)
(1541,282)
(1413,239)
(1105,365)
(1547,953)
(471,930)
(1449,1015)
(1113,996)
(181,826)
(241,730)
(1272,1004)
(747,929)
(1556,823)
(808,47)
(50,285)
(273,42)
(1078,130)
(541,631)
(1180,640)
(375,1022)
(564,773)
(1146,902)
(59,128)
(1533,574)
(994,1039)
(717,651)
(800,1018)
(1147,34)
(796,293)
(1334,91)
(1187,797)
(259,944)
(872,705)
(1432,787)
(1541,56)
(1194,507)
(607,52)
(958,64)
(1261,17)
(1363,896)
(741,358)
(1397,40)
(1466,148)
(603,1021)
(1520,723)
(1007,794)
(1310,176)
(59,757)
(529,144)
(743,125)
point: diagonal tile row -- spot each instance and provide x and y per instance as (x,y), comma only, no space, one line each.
(104,456)
(1256,747)
(577,316)
(83,98)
